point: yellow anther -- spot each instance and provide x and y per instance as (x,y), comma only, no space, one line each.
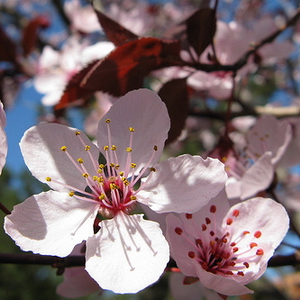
(107,121)
(227,168)
(101,166)
(121,173)
(105,148)
(126,182)
(113,186)
(99,171)
(113,147)
(71,194)
(80,160)
(131,129)
(133,165)
(77,132)
(129,149)
(152,169)
(95,178)
(63,148)
(112,165)
(85,175)
(87,147)
(102,196)
(48,178)
(100,179)
(155,148)
(224,159)
(132,197)
(117,166)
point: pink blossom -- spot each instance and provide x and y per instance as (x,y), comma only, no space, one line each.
(77,282)
(247,178)
(125,253)
(227,247)
(230,45)
(83,18)
(56,68)
(3,140)
(269,134)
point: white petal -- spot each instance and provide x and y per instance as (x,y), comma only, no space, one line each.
(50,223)
(179,246)
(269,134)
(127,254)
(144,111)
(254,215)
(183,184)
(258,177)
(41,149)
(220,284)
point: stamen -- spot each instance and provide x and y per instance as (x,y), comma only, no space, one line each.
(257,234)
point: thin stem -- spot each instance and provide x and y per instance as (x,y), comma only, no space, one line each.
(5,209)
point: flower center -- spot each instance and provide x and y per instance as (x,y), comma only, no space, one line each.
(227,254)
(112,189)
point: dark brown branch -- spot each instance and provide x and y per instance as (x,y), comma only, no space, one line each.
(37,259)
(285,260)
(4,209)
(79,261)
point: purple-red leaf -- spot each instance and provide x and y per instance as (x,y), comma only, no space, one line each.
(201,28)
(30,33)
(73,91)
(124,68)
(115,32)
(175,95)
(8,48)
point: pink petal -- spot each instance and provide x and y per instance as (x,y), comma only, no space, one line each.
(254,215)
(257,178)
(127,254)
(41,149)
(77,283)
(269,134)
(50,223)
(220,284)
(144,111)
(178,182)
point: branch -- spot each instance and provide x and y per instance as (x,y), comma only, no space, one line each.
(37,259)
(285,260)
(79,260)
(243,60)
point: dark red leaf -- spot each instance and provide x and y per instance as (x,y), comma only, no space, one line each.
(201,28)
(73,91)
(115,32)
(8,48)
(175,95)
(124,68)
(30,33)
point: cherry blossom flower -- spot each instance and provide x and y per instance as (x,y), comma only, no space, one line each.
(125,253)
(246,177)
(269,134)
(56,68)
(83,18)
(3,141)
(227,247)
(230,44)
